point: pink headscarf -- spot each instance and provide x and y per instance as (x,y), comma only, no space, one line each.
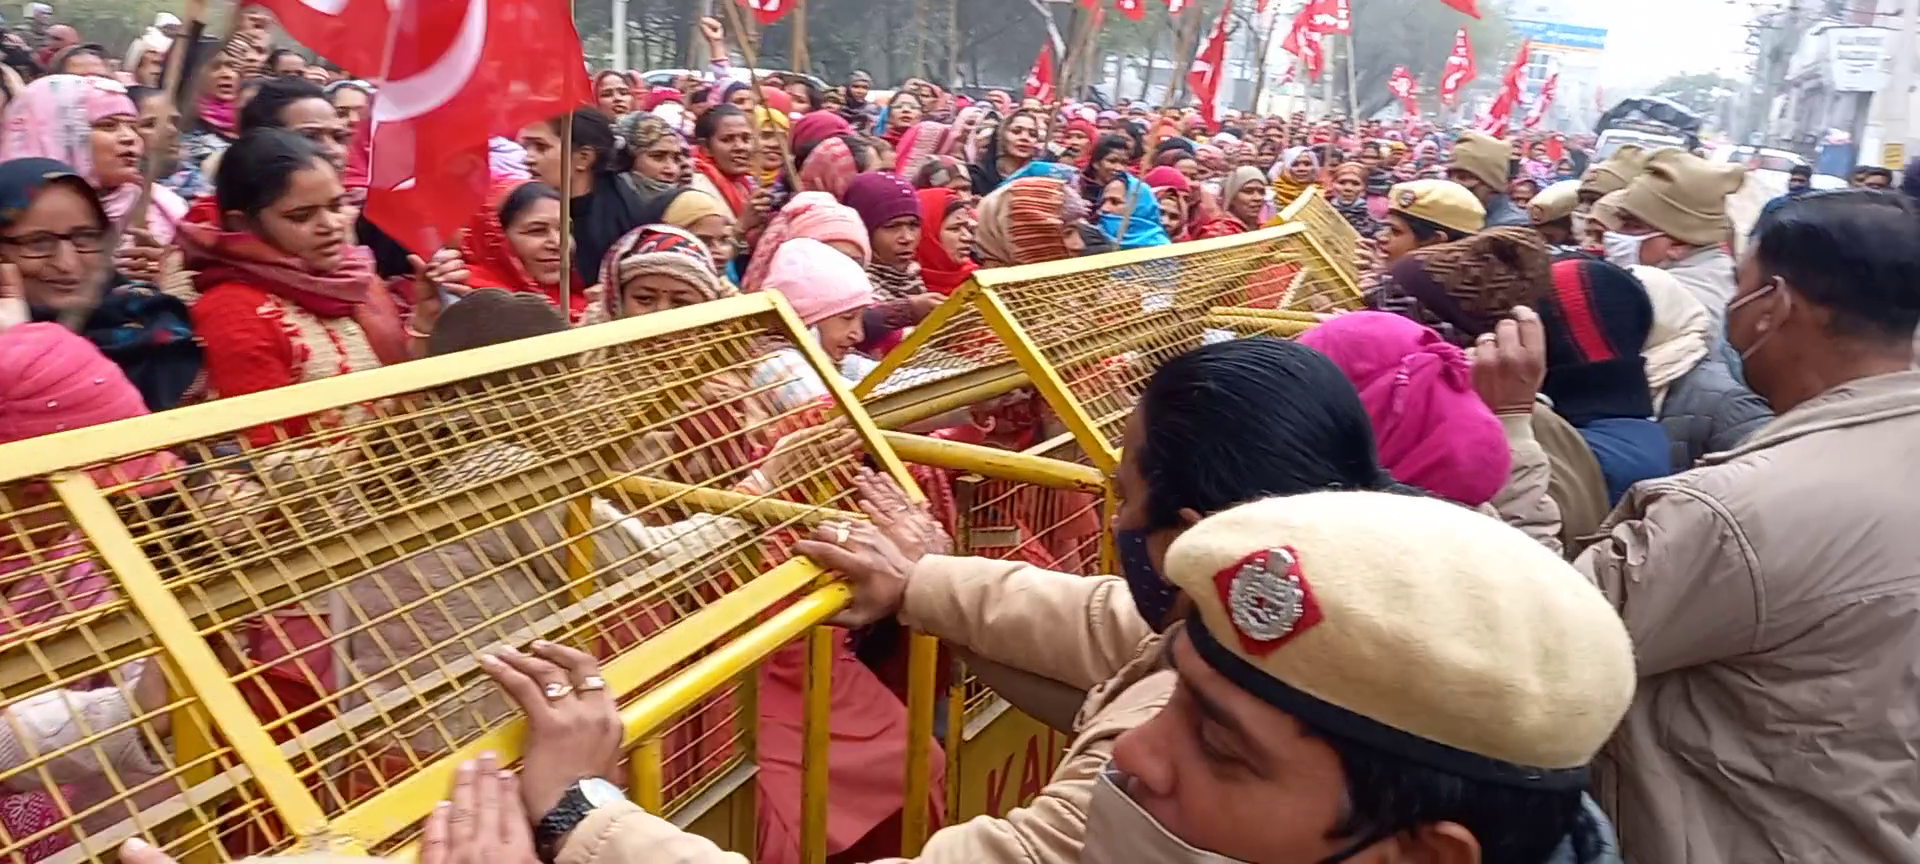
(53,119)
(813,215)
(1432,429)
(829,168)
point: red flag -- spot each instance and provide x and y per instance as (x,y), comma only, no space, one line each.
(1260,6)
(1040,77)
(1459,70)
(1500,114)
(1208,67)
(457,73)
(1538,111)
(1464,7)
(1135,10)
(1329,16)
(1303,42)
(769,11)
(338,30)
(1176,7)
(1403,86)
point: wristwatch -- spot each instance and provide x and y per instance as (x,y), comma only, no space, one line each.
(580,799)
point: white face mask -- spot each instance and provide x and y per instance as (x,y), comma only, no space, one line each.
(1118,830)
(1623,250)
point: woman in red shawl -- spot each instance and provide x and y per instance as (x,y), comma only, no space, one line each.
(1176,196)
(946,235)
(513,244)
(1076,141)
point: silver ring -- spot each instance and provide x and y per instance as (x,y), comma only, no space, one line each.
(557,690)
(840,534)
(592,682)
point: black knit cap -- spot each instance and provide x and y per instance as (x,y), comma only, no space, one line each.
(1596,319)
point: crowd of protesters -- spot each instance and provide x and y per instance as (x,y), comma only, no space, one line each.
(1579,527)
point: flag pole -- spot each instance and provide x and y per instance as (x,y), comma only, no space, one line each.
(751,52)
(1353,101)
(566,201)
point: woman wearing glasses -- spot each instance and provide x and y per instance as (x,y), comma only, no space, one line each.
(54,231)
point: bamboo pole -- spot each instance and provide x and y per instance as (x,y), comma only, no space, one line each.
(1263,48)
(802,63)
(750,50)
(919,37)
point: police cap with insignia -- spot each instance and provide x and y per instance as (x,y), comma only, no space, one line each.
(1412,626)
(1442,202)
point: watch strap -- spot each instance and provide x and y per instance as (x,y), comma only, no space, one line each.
(553,828)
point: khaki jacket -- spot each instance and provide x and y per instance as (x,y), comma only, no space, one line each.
(1005,612)
(1773,595)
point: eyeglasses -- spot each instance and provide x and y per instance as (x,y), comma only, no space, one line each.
(46,244)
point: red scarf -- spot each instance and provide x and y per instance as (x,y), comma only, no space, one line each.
(738,191)
(218,256)
(492,263)
(942,274)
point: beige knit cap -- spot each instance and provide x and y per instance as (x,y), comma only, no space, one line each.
(1554,203)
(1485,157)
(1684,196)
(1615,172)
(1410,625)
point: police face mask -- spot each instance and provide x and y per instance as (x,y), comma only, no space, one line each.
(1152,594)
(1623,250)
(1119,831)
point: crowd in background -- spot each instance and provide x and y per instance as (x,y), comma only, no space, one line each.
(1720,445)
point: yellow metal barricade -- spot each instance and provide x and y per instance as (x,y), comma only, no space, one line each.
(1335,235)
(1086,333)
(264,636)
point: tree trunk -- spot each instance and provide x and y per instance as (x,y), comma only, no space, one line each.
(919,37)
(953,42)
(1146,75)
(1187,30)
(798,59)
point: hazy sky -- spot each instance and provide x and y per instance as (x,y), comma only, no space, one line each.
(1647,40)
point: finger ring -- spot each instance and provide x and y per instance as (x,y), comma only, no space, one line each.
(557,690)
(840,534)
(592,682)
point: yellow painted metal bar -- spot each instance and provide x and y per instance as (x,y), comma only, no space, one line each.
(660,704)
(1109,551)
(199,668)
(923,333)
(1108,261)
(996,463)
(396,808)
(1292,315)
(113,441)
(1292,211)
(1340,274)
(747,695)
(768,512)
(909,405)
(647,775)
(1047,380)
(816,726)
(956,739)
(579,562)
(842,393)
(193,748)
(923,668)
(1264,326)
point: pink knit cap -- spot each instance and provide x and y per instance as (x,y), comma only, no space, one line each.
(818,281)
(1432,429)
(817,216)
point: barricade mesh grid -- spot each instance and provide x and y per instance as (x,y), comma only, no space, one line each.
(344,576)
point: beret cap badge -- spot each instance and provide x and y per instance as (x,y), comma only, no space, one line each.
(1268,598)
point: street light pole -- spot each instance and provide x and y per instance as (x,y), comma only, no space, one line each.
(620,35)
(1899,94)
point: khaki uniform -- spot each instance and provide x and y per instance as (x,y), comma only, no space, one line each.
(1773,597)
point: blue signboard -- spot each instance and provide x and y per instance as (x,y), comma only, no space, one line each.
(1562,35)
